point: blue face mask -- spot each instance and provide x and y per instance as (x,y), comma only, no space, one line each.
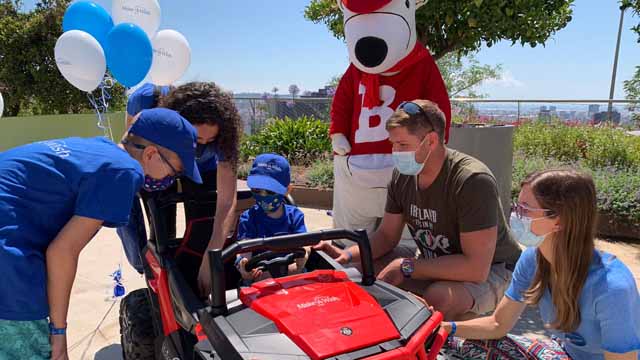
(151,184)
(269,203)
(405,162)
(521,229)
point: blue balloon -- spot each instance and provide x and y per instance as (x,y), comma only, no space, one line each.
(89,17)
(129,54)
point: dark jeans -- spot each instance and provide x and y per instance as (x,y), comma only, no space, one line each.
(134,234)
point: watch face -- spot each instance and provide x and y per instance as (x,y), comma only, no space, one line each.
(407,267)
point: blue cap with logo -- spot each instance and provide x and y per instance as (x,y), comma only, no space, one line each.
(270,172)
(168,129)
(145,97)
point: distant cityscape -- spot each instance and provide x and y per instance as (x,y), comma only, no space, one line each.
(579,113)
(256,108)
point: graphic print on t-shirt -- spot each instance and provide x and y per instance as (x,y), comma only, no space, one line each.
(422,225)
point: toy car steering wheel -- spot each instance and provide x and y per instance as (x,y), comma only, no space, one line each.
(276,263)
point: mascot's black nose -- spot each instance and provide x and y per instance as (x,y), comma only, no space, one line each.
(371,51)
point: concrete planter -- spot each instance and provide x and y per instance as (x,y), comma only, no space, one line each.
(493,145)
(611,227)
(313,198)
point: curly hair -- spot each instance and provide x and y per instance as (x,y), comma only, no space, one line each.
(206,103)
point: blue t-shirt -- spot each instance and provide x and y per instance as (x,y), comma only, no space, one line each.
(254,223)
(609,307)
(145,97)
(208,161)
(43,185)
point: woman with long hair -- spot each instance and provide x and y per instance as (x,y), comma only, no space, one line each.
(213,113)
(588,299)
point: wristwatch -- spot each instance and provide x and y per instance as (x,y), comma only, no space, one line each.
(407,267)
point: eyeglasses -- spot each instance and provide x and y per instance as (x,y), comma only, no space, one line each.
(174,172)
(522,210)
(262,192)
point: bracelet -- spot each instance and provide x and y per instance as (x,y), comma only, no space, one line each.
(57,331)
(349,256)
(454,328)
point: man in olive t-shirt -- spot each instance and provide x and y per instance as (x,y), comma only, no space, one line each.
(451,204)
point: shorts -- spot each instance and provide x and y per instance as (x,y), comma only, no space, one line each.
(27,340)
(486,295)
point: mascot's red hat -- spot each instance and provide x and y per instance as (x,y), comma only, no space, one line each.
(364,6)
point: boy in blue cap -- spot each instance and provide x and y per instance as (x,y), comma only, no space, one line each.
(269,181)
(54,197)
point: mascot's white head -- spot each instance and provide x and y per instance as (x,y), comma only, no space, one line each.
(379,33)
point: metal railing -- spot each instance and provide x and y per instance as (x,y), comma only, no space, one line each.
(256,112)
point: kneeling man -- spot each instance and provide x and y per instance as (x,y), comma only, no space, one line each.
(451,204)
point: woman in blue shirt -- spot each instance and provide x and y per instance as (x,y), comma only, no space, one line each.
(213,113)
(588,299)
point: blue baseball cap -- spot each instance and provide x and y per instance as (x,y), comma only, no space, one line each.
(270,172)
(145,97)
(168,129)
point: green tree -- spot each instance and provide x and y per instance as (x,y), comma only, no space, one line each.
(463,75)
(463,26)
(28,72)
(632,86)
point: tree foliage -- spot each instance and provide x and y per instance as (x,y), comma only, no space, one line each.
(463,75)
(463,26)
(632,86)
(29,77)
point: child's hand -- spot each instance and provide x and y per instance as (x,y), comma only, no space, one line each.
(253,275)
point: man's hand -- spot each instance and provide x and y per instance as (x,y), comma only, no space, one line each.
(335,252)
(58,347)
(340,144)
(392,274)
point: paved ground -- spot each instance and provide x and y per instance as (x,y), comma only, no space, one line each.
(93,322)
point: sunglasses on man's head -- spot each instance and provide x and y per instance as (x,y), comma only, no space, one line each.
(262,192)
(412,108)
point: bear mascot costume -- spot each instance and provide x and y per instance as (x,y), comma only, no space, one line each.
(388,66)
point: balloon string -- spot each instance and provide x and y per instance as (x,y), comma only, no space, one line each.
(101,106)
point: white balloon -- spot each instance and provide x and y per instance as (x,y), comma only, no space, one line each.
(171,57)
(144,13)
(80,59)
(1,105)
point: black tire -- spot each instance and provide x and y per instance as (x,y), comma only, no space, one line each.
(136,326)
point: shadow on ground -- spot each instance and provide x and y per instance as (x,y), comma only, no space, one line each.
(111,352)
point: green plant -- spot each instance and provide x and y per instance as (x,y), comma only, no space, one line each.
(301,141)
(320,174)
(596,147)
(618,189)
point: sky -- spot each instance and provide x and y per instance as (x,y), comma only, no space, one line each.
(252,46)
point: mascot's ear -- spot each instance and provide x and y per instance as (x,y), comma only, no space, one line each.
(420,3)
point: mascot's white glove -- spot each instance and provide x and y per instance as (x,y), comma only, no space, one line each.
(340,144)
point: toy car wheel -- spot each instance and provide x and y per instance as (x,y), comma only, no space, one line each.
(136,326)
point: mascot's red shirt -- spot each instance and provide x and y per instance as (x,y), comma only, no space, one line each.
(365,127)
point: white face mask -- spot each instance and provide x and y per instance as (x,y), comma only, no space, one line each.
(521,228)
(405,162)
